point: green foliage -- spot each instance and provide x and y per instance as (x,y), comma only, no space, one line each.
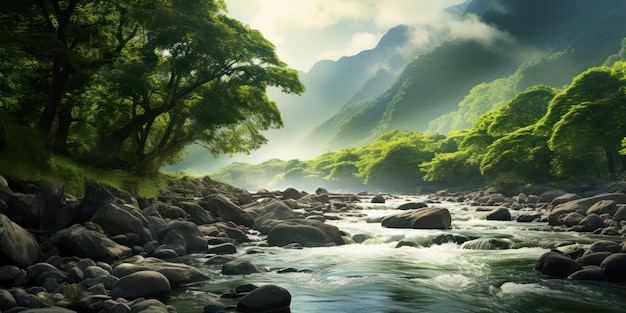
(129,84)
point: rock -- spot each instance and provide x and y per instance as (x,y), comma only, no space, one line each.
(142,284)
(581,205)
(241,267)
(487,244)
(7,301)
(228,211)
(191,234)
(291,193)
(321,191)
(528,218)
(563,198)
(614,267)
(173,241)
(603,207)
(412,206)
(572,219)
(219,259)
(226,248)
(198,215)
(212,306)
(229,231)
(177,274)
(270,210)
(556,264)
(9,273)
(150,306)
(54,309)
(115,220)
(308,233)
(426,218)
(81,242)
(588,273)
(166,211)
(590,223)
(594,258)
(454,238)
(499,214)
(97,195)
(605,246)
(268,298)
(17,246)
(378,199)
(620,214)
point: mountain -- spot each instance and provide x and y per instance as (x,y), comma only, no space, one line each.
(559,38)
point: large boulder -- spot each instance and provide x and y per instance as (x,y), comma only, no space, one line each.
(308,233)
(268,298)
(556,264)
(97,195)
(224,208)
(499,214)
(17,246)
(177,274)
(117,219)
(190,232)
(142,284)
(271,210)
(225,229)
(197,214)
(487,244)
(614,267)
(82,242)
(603,207)
(173,241)
(426,218)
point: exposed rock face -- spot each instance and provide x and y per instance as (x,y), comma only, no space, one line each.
(426,218)
(17,246)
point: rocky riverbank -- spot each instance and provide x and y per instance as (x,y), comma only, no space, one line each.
(112,251)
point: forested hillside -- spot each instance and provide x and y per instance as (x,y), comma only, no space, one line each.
(446,89)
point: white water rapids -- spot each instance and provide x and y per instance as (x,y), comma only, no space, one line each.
(375,276)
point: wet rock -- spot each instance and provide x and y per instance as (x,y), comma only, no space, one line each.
(225,229)
(572,219)
(150,306)
(426,218)
(173,241)
(499,214)
(605,246)
(581,205)
(116,219)
(268,298)
(212,306)
(588,273)
(556,264)
(614,267)
(7,301)
(446,238)
(225,248)
(219,259)
(142,284)
(197,214)
(190,233)
(589,224)
(378,199)
(308,233)
(17,246)
(594,258)
(241,267)
(292,193)
(487,244)
(528,218)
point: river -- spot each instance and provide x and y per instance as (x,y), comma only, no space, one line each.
(375,276)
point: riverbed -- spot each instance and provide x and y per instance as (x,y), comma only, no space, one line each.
(376,276)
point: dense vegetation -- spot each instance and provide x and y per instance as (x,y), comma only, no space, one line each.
(129,84)
(540,135)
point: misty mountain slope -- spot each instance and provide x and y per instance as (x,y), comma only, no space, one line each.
(433,84)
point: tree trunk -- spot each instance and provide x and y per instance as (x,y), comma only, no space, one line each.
(64,117)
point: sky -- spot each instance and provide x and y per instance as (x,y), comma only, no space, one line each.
(306,31)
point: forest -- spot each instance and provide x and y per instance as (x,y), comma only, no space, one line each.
(129,84)
(541,135)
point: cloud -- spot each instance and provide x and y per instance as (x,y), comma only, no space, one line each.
(305,31)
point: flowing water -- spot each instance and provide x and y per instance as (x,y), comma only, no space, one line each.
(374,276)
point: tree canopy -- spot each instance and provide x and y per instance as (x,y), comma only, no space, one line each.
(129,84)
